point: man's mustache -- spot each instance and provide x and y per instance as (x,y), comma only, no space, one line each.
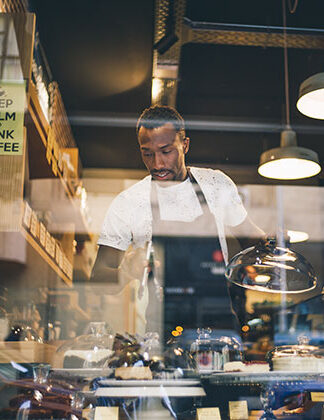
(155,172)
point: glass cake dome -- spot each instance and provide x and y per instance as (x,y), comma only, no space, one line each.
(269,268)
(91,350)
(297,357)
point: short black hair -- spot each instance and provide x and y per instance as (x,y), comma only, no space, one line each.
(158,115)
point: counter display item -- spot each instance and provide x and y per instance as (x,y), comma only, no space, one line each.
(91,350)
(211,354)
(301,357)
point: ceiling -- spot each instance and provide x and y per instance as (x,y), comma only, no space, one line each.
(229,81)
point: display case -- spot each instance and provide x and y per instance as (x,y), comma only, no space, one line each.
(217,342)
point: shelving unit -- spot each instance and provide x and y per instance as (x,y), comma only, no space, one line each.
(42,209)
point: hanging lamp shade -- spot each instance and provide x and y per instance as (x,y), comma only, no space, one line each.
(289,161)
(311,97)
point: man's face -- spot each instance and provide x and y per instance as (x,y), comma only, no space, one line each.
(163,152)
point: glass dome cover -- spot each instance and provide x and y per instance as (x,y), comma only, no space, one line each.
(302,349)
(91,350)
(268,268)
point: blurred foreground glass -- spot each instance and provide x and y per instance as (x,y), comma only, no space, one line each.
(268,268)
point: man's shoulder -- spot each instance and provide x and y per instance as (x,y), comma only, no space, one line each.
(209,175)
(136,191)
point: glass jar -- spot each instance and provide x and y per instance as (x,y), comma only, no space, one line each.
(212,353)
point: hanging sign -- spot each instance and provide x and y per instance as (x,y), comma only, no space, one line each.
(12,108)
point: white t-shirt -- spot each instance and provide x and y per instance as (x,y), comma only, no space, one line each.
(128,220)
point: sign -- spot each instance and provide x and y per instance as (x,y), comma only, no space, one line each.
(208,413)
(238,410)
(12,108)
(317,396)
(106,413)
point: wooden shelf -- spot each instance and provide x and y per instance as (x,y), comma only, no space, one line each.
(43,254)
(67,298)
(39,168)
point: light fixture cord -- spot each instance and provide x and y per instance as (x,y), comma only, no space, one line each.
(292,9)
(286,64)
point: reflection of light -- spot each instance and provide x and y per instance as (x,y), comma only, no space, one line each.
(279,265)
(297,236)
(262,278)
(255,321)
(157,86)
(284,257)
(18,367)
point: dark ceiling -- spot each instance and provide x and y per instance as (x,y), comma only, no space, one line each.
(232,96)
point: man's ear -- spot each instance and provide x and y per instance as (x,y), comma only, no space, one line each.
(186,143)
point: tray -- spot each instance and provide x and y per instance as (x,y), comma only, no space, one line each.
(83,372)
(150,391)
(247,378)
(152,382)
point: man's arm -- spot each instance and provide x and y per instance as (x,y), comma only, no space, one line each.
(106,269)
(117,268)
(247,233)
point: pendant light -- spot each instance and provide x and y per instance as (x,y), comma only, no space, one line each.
(288,161)
(311,97)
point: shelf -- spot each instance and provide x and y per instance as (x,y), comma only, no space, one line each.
(259,379)
(38,130)
(43,254)
(69,299)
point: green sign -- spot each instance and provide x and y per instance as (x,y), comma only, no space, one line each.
(12,108)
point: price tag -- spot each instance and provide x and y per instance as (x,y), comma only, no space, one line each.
(208,413)
(60,161)
(52,247)
(57,253)
(61,259)
(48,242)
(69,270)
(54,166)
(106,413)
(317,396)
(56,149)
(238,410)
(49,147)
(27,215)
(42,234)
(34,225)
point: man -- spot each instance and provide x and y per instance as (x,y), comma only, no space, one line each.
(194,193)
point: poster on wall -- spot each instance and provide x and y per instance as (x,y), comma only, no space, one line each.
(12,108)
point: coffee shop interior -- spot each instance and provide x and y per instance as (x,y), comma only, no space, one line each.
(248,79)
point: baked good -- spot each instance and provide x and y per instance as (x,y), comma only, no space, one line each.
(250,367)
(133,372)
(74,359)
(297,364)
